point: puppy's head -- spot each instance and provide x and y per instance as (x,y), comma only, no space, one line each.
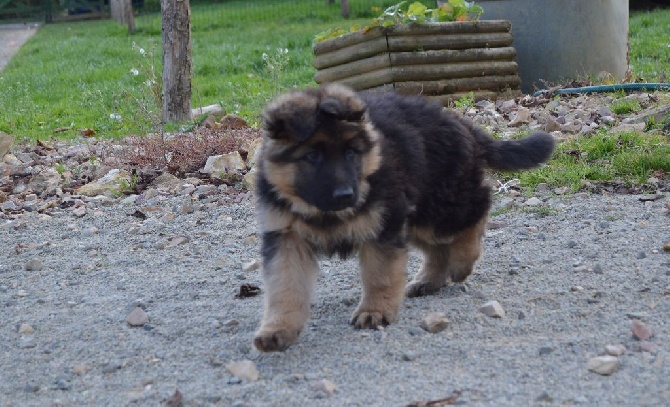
(318,149)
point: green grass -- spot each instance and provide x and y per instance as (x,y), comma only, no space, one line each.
(650,45)
(630,158)
(625,106)
(78,74)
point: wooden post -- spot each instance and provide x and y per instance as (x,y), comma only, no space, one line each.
(122,13)
(177,60)
(344,4)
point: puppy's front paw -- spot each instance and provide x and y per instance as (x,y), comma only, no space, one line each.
(268,340)
(420,288)
(371,319)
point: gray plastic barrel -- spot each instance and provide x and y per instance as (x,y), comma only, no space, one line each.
(559,40)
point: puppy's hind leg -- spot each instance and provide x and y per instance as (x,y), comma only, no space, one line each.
(383,271)
(433,273)
(447,262)
(465,250)
(290,271)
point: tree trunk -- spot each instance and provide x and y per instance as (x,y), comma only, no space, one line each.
(122,13)
(177,60)
(345,8)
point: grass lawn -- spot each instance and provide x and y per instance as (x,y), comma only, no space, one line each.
(78,75)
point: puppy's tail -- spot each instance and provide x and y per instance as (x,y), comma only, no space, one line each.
(511,155)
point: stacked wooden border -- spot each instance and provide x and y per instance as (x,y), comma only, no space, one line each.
(442,60)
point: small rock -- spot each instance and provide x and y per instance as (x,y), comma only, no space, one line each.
(572,243)
(604,365)
(628,127)
(31,388)
(33,265)
(244,369)
(522,117)
(79,212)
(176,241)
(9,206)
(492,309)
(640,330)
(251,266)
(110,185)
(80,369)
(640,255)
(534,201)
(111,367)
(88,232)
(435,322)
(25,329)
(646,346)
(615,350)
(561,190)
(27,342)
(666,246)
(494,224)
(221,164)
(408,356)
(325,386)
(137,317)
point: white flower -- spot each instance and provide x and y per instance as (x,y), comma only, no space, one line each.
(114,116)
(149,82)
(265,56)
(282,51)
(142,51)
(135,72)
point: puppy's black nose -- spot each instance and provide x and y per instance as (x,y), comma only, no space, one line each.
(343,193)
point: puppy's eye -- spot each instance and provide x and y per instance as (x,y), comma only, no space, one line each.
(313,157)
(350,154)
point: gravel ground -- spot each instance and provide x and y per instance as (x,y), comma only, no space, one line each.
(572,274)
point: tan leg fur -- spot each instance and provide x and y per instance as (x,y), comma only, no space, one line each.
(447,262)
(383,276)
(289,280)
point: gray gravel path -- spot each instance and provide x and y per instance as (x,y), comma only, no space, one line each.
(12,37)
(571,275)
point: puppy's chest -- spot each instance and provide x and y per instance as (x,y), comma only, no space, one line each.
(334,234)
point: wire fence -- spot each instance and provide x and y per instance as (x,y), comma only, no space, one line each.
(232,12)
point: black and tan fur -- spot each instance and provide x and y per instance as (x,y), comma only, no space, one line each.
(344,173)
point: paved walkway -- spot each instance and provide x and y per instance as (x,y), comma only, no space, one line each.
(12,36)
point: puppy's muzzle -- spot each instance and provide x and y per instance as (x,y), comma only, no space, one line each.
(344,196)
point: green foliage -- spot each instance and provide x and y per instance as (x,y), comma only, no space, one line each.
(465,101)
(417,12)
(626,157)
(625,106)
(649,46)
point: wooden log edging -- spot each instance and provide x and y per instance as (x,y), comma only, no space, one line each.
(343,71)
(436,59)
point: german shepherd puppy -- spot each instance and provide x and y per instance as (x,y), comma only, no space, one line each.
(344,172)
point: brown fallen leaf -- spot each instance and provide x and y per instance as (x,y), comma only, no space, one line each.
(248,290)
(447,401)
(87,132)
(177,400)
(42,144)
(139,214)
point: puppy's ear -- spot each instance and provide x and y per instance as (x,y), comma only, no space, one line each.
(341,103)
(341,109)
(290,117)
